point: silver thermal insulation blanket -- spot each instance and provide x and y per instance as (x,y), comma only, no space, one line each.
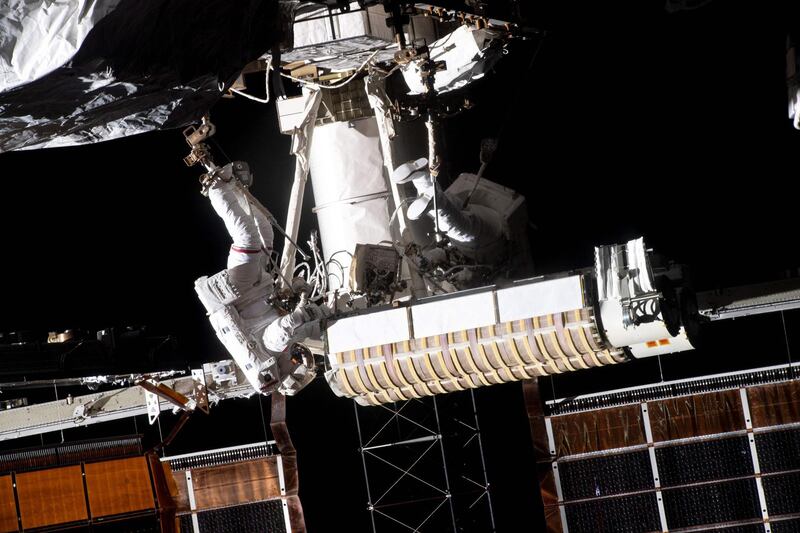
(349,190)
(82,71)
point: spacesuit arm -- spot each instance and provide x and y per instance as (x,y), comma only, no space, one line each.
(301,323)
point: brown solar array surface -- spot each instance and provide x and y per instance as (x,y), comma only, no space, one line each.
(8,509)
(541,450)
(49,497)
(119,486)
(245,482)
(703,444)
(772,405)
(594,431)
(674,418)
(695,416)
(230,484)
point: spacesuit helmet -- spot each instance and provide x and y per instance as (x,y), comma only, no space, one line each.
(300,354)
(299,371)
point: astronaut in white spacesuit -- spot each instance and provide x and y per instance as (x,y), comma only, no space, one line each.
(476,230)
(263,340)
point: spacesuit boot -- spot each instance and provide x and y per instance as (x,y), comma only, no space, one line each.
(417,172)
(238,170)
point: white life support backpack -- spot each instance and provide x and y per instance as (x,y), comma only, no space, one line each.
(218,291)
(221,298)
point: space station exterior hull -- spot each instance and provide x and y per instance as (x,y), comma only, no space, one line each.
(349,190)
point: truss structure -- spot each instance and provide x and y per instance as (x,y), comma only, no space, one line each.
(424,466)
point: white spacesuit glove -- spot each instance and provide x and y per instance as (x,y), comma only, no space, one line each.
(301,323)
(300,286)
(316,312)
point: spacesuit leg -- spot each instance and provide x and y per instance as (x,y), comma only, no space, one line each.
(246,259)
(264,230)
(461,226)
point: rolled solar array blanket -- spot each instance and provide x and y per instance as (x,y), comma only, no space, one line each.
(461,341)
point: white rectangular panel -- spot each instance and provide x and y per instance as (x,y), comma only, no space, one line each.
(679,343)
(540,298)
(371,329)
(346,167)
(453,314)
(325,26)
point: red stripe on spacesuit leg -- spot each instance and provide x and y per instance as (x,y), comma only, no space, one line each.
(244,250)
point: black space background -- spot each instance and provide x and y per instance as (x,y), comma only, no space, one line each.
(631,122)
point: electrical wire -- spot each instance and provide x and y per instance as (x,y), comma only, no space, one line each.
(343,251)
(786,339)
(320,273)
(302,81)
(341,284)
(266,85)
(397,209)
(341,269)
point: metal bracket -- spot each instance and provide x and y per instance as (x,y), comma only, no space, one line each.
(195,137)
(222,372)
(154,391)
(196,134)
(200,390)
(198,154)
(153,407)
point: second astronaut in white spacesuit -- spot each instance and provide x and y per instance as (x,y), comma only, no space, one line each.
(475,230)
(262,339)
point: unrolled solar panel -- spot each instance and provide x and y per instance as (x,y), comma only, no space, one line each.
(606,475)
(720,453)
(783,493)
(704,461)
(712,503)
(262,516)
(786,526)
(626,514)
(779,450)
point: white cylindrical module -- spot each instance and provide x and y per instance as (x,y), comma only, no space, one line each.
(643,340)
(620,335)
(532,328)
(350,192)
(630,304)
